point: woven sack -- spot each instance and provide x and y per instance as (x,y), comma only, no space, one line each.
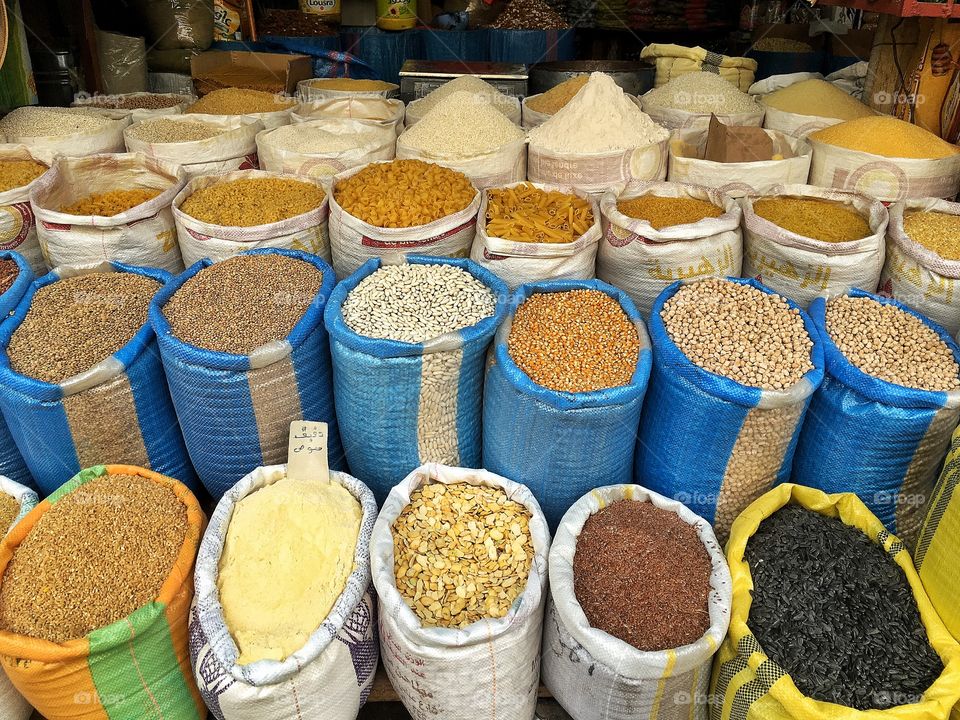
(108,139)
(12,464)
(18,223)
(386,112)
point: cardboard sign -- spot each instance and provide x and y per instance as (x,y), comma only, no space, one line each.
(729,144)
(307,451)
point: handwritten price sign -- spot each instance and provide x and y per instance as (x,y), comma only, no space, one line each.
(307,451)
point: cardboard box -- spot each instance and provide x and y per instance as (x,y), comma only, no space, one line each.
(270,72)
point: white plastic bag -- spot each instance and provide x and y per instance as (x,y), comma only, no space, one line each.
(596,676)
(198,239)
(517,263)
(802,268)
(143,235)
(598,172)
(353,241)
(18,224)
(330,676)
(672,119)
(234,149)
(381,110)
(108,139)
(307,91)
(738,178)
(137,114)
(642,261)
(507,164)
(415,112)
(490,669)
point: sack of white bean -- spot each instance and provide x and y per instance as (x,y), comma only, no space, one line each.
(475,650)
(18,224)
(16,279)
(567,379)
(331,673)
(414,331)
(880,423)
(719,429)
(599,676)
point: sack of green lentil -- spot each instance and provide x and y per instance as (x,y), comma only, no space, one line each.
(379,110)
(415,330)
(108,398)
(880,423)
(595,675)
(475,649)
(108,207)
(201,144)
(806,242)
(331,673)
(539,429)
(643,258)
(49,132)
(18,224)
(922,267)
(749,683)
(200,239)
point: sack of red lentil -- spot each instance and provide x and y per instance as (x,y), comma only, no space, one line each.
(748,684)
(596,676)
(134,668)
(388,113)
(330,676)
(490,667)
(803,268)
(541,435)
(198,240)
(119,408)
(517,262)
(598,172)
(12,464)
(69,232)
(434,386)
(235,409)
(18,224)
(881,439)
(643,261)
(917,274)
(235,148)
(104,134)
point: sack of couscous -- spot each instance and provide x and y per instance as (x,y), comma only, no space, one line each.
(18,224)
(379,110)
(674,60)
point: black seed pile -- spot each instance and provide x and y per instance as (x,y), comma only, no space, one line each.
(832,609)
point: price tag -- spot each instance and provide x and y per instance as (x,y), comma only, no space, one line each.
(307,451)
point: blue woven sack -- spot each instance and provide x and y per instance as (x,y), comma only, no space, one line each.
(12,464)
(118,411)
(400,404)
(236,410)
(561,444)
(708,441)
(883,441)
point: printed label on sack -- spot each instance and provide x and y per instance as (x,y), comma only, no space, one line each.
(57,227)
(15,224)
(721,266)
(371,242)
(307,451)
(815,277)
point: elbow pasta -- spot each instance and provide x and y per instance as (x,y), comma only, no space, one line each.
(528,214)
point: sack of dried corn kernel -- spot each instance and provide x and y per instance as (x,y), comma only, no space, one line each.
(18,224)
(925,278)
(119,408)
(643,261)
(541,436)
(330,676)
(141,235)
(596,676)
(12,464)
(489,668)
(803,268)
(388,113)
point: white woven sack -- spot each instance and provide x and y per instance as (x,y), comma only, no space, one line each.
(307,91)
(353,241)
(917,275)
(772,83)
(143,235)
(596,676)
(380,110)
(138,114)
(802,268)
(18,224)
(642,261)
(531,118)
(507,164)
(270,120)
(374,141)
(676,119)
(233,149)
(490,669)
(108,139)
(414,112)
(330,676)
(198,239)
(883,178)
(517,263)
(597,173)
(738,178)
(796,125)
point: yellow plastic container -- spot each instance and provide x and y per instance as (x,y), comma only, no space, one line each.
(396,14)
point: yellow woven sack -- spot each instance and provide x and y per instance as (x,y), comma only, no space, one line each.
(674,60)
(747,685)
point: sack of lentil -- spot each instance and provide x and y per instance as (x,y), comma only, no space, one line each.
(719,429)
(414,329)
(886,654)
(49,132)
(806,242)
(330,671)
(80,378)
(222,198)
(20,172)
(643,256)
(596,675)
(336,88)
(737,179)
(880,424)
(379,110)
(201,144)
(922,267)
(139,664)
(673,60)
(475,651)
(137,106)
(108,207)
